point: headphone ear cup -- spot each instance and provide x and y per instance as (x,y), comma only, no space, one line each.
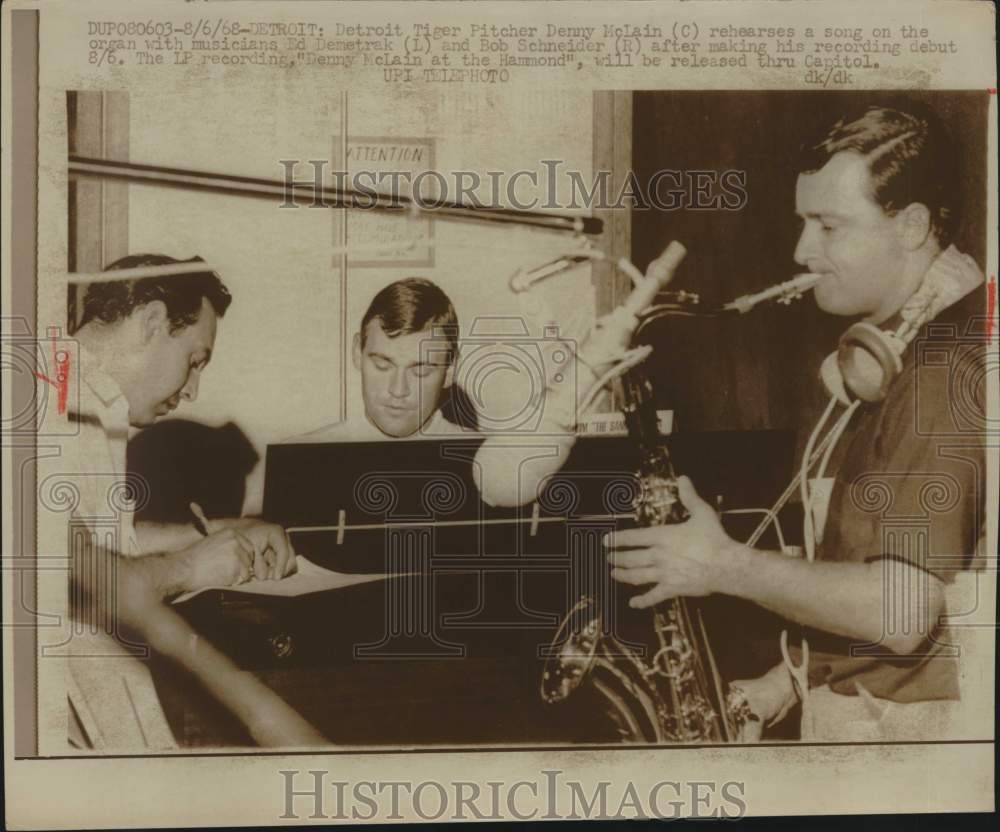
(868,361)
(829,373)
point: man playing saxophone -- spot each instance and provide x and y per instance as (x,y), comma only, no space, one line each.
(878,205)
(877,196)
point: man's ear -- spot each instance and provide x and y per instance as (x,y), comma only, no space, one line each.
(914,224)
(449,374)
(356,351)
(153,319)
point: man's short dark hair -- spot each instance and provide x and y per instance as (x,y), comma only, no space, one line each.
(413,305)
(910,156)
(182,294)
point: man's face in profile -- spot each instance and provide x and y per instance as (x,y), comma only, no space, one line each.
(402,378)
(849,238)
(167,363)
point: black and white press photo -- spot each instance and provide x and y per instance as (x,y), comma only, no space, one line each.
(548,415)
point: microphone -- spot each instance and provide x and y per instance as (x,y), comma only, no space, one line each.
(509,469)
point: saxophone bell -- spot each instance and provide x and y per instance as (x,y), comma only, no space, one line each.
(573,658)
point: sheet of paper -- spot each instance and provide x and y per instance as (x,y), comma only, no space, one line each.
(308,577)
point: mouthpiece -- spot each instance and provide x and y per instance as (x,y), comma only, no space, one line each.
(782,292)
(803,282)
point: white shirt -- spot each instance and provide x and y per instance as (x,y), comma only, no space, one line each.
(103,499)
(111,690)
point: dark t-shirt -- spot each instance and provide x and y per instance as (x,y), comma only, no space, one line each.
(911,487)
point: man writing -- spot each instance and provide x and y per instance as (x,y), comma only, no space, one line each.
(144,344)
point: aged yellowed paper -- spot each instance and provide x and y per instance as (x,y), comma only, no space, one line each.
(498,411)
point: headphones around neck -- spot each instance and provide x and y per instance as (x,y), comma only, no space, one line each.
(865,364)
(868,359)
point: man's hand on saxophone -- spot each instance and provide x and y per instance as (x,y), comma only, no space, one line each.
(689,558)
(697,558)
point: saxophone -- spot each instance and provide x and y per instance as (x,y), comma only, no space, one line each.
(676,696)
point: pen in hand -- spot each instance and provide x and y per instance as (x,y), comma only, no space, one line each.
(201,524)
(200,520)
